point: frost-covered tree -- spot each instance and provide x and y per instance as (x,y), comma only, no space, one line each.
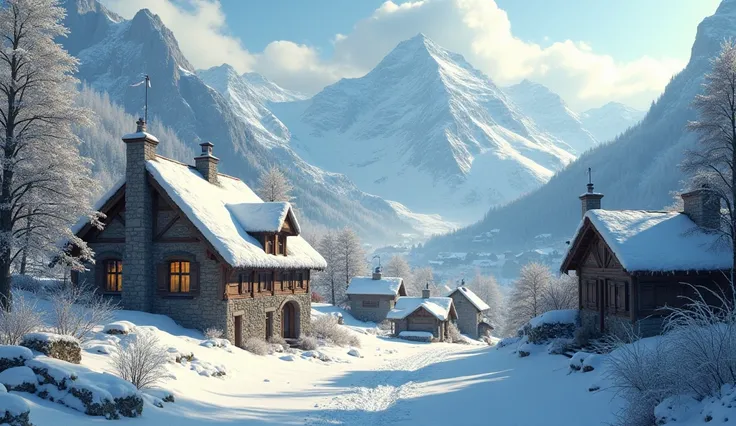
(329,282)
(273,185)
(561,293)
(486,287)
(420,278)
(397,266)
(43,176)
(526,300)
(711,165)
(350,255)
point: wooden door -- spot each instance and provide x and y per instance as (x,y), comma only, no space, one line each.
(238,320)
(288,321)
(269,325)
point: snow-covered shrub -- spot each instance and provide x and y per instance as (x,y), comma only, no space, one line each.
(354,352)
(119,327)
(385,325)
(551,325)
(182,358)
(453,334)
(559,346)
(279,342)
(585,334)
(213,333)
(57,346)
(326,327)
(21,379)
(76,310)
(216,343)
(576,362)
(27,283)
(508,341)
(142,361)
(256,346)
(308,343)
(14,410)
(22,319)
(13,356)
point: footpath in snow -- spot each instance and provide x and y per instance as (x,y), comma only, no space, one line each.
(385,381)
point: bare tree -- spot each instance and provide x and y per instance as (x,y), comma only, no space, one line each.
(420,278)
(350,255)
(526,300)
(76,310)
(329,281)
(561,293)
(397,266)
(142,361)
(711,166)
(486,287)
(274,186)
(43,176)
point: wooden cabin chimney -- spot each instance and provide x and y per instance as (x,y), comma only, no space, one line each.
(703,207)
(206,163)
(426,292)
(590,200)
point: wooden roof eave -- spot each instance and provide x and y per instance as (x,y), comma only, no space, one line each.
(106,207)
(567,265)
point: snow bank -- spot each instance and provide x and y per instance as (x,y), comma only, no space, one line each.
(13,356)
(119,327)
(19,378)
(565,316)
(417,336)
(13,405)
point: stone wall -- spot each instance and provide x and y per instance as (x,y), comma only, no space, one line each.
(377,314)
(102,251)
(468,316)
(203,310)
(254,315)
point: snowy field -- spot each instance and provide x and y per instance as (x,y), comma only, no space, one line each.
(391,382)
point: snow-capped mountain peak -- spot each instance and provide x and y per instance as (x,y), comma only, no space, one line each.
(268,91)
(427,129)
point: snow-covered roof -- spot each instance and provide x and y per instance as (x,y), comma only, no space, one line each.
(262,216)
(472,298)
(386,286)
(656,241)
(440,307)
(98,206)
(210,208)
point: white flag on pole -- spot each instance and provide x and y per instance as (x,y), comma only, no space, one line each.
(142,82)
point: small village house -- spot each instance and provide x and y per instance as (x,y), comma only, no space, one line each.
(423,314)
(199,246)
(630,264)
(371,298)
(470,312)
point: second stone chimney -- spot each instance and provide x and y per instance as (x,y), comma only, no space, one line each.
(425,292)
(377,273)
(591,199)
(703,207)
(206,163)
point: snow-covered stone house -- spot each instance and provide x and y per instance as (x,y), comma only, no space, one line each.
(371,298)
(632,263)
(423,314)
(200,246)
(470,312)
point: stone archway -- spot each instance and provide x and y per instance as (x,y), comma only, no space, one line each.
(290,320)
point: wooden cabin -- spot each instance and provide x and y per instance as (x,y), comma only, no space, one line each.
(423,314)
(633,264)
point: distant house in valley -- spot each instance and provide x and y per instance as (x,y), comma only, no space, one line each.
(423,314)
(630,264)
(470,312)
(371,298)
(199,246)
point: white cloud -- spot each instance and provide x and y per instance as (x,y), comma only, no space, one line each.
(477,29)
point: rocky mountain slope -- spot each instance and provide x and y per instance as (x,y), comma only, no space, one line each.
(425,128)
(639,169)
(610,120)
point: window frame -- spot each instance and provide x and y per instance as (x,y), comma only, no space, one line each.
(180,274)
(118,273)
(373,304)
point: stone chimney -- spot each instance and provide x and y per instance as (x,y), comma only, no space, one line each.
(377,273)
(140,147)
(703,207)
(426,292)
(591,199)
(206,163)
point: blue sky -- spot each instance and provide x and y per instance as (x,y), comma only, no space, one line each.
(589,51)
(625,29)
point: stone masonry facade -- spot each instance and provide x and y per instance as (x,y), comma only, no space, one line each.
(254,312)
(468,316)
(366,313)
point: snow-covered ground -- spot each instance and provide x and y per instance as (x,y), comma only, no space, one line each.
(386,381)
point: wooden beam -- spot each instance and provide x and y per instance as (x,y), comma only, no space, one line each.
(168,225)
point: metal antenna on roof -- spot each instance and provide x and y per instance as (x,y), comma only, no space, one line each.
(147,81)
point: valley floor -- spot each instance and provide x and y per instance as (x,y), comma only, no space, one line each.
(394,382)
